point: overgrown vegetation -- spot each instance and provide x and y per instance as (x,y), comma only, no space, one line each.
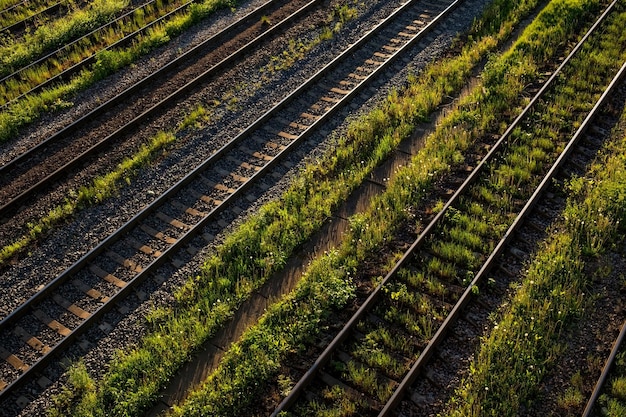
(76,201)
(526,339)
(23,11)
(262,245)
(15,53)
(415,303)
(613,401)
(240,267)
(137,24)
(101,187)
(28,109)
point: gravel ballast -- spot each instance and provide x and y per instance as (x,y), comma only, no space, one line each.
(68,243)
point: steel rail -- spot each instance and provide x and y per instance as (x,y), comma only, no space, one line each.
(18,4)
(599,387)
(22,23)
(467,294)
(14,6)
(68,72)
(12,205)
(68,45)
(193,232)
(325,356)
(204,165)
(148,80)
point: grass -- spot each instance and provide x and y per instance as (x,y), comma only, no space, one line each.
(613,401)
(24,80)
(263,245)
(297,49)
(27,110)
(61,213)
(335,402)
(23,12)
(17,53)
(573,399)
(527,338)
(420,323)
(351,252)
(102,187)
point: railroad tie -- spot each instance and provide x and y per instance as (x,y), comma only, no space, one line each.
(390,48)
(330,99)
(287,136)
(31,340)
(101,273)
(518,253)
(209,200)
(337,90)
(126,263)
(239,178)
(189,210)
(143,248)
(382,55)
(51,323)
(44,382)
(12,360)
(279,133)
(206,181)
(222,187)
(294,125)
(417,398)
(347,83)
(91,292)
(269,144)
(244,164)
(432,379)
(71,307)
(255,154)
(309,116)
(171,221)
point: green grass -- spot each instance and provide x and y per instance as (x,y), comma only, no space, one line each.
(18,52)
(102,187)
(86,47)
(370,230)
(527,338)
(263,244)
(613,400)
(24,11)
(27,110)
(286,327)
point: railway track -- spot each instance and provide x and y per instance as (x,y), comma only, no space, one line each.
(125,114)
(67,61)
(391,354)
(37,330)
(9,5)
(39,13)
(512,253)
(601,384)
